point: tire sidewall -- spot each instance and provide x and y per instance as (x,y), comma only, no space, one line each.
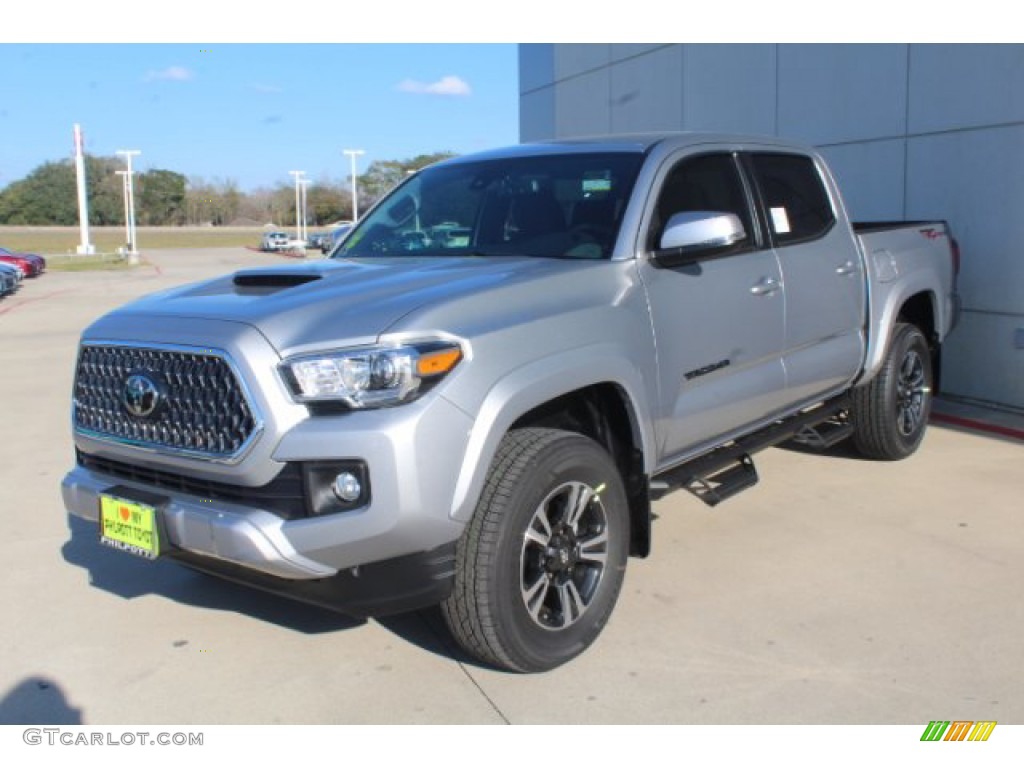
(909,339)
(572,458)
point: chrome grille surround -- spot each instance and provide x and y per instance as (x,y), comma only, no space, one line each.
(208,412)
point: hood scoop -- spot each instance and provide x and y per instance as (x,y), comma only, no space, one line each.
(265,282)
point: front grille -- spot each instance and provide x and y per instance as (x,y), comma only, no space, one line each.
(201,407)
(284,495)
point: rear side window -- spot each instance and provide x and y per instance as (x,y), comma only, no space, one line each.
(795,197)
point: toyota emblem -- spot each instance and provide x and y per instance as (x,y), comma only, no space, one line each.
(141,396)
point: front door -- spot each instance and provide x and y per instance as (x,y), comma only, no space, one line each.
(718,321)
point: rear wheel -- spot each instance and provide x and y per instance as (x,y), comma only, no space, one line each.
(541,563)
(890,413)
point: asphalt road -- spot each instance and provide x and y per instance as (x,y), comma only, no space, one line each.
(836,591)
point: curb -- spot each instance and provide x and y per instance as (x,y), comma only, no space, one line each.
(979,426)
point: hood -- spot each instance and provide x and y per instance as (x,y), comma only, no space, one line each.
(309,306)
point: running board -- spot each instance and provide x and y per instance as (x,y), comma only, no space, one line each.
(725,471)
(824,435)
(721,485)
(708,479)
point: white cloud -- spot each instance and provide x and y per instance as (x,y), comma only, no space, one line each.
(178,74)
(449,85)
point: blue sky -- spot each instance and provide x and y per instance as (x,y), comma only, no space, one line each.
(253,112)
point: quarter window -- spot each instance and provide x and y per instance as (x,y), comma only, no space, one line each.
(797,204)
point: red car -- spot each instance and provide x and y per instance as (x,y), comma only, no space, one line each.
(30,264)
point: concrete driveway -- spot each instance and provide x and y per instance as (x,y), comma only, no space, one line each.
(836,591)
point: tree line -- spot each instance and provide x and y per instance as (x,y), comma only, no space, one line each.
(49,196)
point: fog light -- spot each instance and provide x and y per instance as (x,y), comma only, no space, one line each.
(346,487)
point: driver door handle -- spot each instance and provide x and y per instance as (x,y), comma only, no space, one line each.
(766,286)
(846,268)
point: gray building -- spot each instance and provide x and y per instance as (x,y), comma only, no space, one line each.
(911,132)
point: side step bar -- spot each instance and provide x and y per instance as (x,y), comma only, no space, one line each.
(824,435)
(721,485)
(727,470)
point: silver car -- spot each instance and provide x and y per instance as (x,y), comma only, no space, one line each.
(274,241)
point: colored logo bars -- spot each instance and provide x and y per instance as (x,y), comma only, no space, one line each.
(958,730)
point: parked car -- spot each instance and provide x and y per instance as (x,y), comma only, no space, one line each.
(38,261)
(28,267)
(336,236)
(275,241)
(483,423)
(10,278)
(316,240)
(13,270)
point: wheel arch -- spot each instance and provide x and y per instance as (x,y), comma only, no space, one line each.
(604,413)
(594,394)
(918,306)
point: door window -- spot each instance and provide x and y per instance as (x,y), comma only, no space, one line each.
(794,195)
(704,183)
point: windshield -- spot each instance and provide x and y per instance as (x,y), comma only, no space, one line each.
(559,206)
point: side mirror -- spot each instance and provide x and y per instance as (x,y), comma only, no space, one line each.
(702,229)
(694,235)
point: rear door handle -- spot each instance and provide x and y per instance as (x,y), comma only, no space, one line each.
(766,286)
(846,268)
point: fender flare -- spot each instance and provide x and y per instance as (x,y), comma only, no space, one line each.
(522,390)
(886,308)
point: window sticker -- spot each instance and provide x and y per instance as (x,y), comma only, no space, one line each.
(780,221)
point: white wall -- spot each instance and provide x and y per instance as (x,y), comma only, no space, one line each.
(911,131)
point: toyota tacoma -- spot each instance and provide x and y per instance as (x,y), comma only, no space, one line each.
(476,399)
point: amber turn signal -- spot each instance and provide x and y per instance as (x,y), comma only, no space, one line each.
(436,363)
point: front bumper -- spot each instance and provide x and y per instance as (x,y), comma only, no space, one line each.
(413,455)
(235,533)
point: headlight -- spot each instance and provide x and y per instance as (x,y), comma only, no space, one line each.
(371,377)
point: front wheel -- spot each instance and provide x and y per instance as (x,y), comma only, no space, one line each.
(890,413)
(540,565)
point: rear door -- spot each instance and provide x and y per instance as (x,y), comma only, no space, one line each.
(821,269)
(718,320)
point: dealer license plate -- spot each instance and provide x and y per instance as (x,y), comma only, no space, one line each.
(129,526)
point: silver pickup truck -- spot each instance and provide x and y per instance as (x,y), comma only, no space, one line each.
(475,399)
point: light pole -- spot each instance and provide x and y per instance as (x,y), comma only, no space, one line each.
(83,201)
(133,252)
(304,183)
(352,153)
(298,205)
(124,190)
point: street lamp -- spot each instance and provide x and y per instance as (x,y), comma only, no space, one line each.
(83,202)
(352,153)
(298,205)
(133,253)
(305,214)
(124,191)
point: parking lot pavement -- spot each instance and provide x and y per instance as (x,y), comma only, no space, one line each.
(836,591)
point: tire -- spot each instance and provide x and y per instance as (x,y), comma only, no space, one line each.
(890,413)
(541,563)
